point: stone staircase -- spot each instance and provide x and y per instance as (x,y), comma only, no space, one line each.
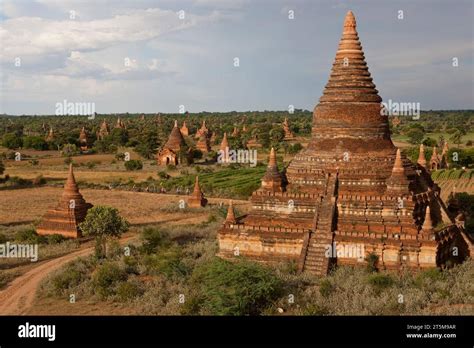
(313,257)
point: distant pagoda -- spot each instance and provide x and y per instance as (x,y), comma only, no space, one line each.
(253,142)
(170,153)
(50,136)
(235,132)
(350,189)
(70,212)
(203,144)
(120,124)
(202,131)
(83,139)
(197,200)
(103,131)
(184,130)
(286,128)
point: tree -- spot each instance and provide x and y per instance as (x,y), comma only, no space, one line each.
(235,288)
(133,165)
(12,141)
(295,148)
(2,167)
(415,136)
(430,142)
(456,137)
(119,136)
(35,142)
(103,223)
(69,150)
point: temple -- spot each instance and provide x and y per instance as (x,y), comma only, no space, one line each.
(235,132)
(203,144)
(120,124)
(350,188)
(197,200)
(50,136)
(184,129)
(103,131)
(172,151)
(83,139)
(286,128)
(203,131)
(439,161)
(69,213)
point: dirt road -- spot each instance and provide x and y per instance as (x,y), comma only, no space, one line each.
(19,295)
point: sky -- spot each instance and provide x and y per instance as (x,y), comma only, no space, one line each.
(162,56)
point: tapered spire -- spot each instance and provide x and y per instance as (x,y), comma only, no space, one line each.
(71,180)
(50,136)
(230,218)
(348,117)
(272,179)
(428,223)
(398,164)
(71,191)
(398,181)
(272,159)
(197,199)
(197,188)
(224,142)
(175,140)
(434,155)
(350,80)
(421,157)
(445,148)
(184,129)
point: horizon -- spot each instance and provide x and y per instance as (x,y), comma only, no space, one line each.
(134,114)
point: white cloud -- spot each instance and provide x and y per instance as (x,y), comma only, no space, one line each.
(25,36)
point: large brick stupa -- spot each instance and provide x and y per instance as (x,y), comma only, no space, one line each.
(68,214)
(350,192)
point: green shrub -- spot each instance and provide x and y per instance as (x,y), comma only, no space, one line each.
(128,290)
(167,262)
(163,175)
(241,288)
(428,276)
(55,238)
(131,265)
(372,262)
(325,288)
(153,239)
(106,277)
(29,236)
(380,281)
(71,275)
(133,165)
(3,238)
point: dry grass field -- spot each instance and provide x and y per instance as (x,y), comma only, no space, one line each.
(26,206)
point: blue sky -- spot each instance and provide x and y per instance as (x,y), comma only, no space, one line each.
(190,61)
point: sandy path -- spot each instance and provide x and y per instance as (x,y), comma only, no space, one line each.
(18,297)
